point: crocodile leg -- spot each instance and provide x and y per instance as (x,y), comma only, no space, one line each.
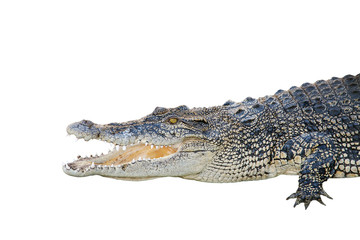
(318,165)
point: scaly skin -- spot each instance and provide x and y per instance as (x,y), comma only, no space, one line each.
(311,131)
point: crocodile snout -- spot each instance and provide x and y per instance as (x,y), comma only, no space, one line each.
(86,123)
(84,129)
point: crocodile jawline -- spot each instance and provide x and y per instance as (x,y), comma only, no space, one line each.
(119,156)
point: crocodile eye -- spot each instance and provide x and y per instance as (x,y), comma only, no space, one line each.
(173,120)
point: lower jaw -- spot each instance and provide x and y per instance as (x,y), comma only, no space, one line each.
(119,158)
(134,170)
(106,170)
(179,164)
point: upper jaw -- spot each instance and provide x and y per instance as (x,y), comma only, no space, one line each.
(122,134)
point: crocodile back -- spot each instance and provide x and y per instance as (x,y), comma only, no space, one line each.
(331,107)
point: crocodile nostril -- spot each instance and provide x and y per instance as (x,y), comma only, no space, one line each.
(87,123)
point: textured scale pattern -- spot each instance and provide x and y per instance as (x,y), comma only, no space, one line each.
(311,130)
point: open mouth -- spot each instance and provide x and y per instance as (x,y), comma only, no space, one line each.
(121,156)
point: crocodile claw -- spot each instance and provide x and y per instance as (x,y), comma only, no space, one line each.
(306,197)
(320,201)
(291,196)
(322,192)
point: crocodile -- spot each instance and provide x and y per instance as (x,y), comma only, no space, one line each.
(311,131)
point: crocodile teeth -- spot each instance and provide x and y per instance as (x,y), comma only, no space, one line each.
(124,148)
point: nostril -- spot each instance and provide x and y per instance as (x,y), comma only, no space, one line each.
(87,123)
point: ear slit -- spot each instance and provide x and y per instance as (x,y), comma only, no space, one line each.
(201,124)
(240,112)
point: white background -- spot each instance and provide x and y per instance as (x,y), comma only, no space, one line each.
(113,61)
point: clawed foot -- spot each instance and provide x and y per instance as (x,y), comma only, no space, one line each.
(307,196)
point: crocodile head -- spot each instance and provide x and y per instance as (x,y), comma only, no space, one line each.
(168,142)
